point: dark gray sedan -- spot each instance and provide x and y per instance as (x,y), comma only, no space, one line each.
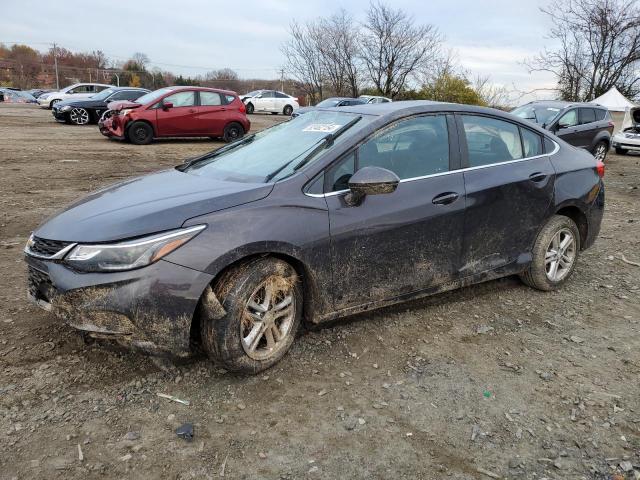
(335,212)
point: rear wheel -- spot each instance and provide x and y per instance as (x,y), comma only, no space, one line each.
(79,116)
(288,110)
(261,311)
(621,151)
(250,108)
(600,150)
(555,254)
(140,133)
(232,132)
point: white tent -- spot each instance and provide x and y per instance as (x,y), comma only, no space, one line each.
(614,101)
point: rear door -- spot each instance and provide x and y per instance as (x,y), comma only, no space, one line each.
(509,187)
(588,127)
(567,127)
(266,102)
(212,114)
(405,241)
(181,118)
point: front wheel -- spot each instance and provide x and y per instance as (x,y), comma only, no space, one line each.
(140,133)
(621,151)
(555,254)
(261,312)
(250,108)
(288,110)
(232,132)
(600,151)
(79,116)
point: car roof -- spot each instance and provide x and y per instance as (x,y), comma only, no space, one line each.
(562,104)
(194,87)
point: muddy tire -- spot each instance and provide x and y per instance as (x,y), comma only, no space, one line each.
(621,151)
(250,108)
(261,311)
(555,254)
(140,133)
(232,132)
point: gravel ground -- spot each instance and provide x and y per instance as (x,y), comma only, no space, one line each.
(492,381)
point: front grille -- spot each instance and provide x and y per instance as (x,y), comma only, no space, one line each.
(39,284)
(42,246)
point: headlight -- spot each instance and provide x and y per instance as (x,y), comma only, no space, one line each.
(126,111)
(129,254)
(66,108)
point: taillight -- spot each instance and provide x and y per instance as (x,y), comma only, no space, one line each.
(243,109)
(600,169)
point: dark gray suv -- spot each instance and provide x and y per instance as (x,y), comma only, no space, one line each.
(584,125)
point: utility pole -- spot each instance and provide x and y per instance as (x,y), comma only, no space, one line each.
(55,62)
(282,79)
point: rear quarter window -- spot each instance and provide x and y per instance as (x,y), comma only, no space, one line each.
(602,114)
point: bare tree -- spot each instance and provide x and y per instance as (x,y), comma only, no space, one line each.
(141,59)
(394,48)
(304,59)
(495,96)
(336,38)
(599,47)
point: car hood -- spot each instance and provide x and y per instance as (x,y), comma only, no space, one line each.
(631,118)
(144,205)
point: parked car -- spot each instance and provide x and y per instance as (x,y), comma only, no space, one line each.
(76,91)
(584,125)
(36,92)
(177,112)
(374,99)
(270,101)
(628,138)
(335,212)
(10,95)
(82,112)
(331,102)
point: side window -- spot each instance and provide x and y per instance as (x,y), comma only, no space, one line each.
(120,96)
(99,88)
(490,140)
(601,114)
(410,148)
(133,94)
(281,95)
(210,98)
(317,186)
(587,115)
(268,94)
(182,99)
(337,176)
(549,146)
(230,98)
(531,142)
(569,119)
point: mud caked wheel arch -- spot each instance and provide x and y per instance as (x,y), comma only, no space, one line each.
(227,321)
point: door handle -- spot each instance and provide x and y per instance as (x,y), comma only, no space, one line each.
(192,110)
(537,177)
(445,198)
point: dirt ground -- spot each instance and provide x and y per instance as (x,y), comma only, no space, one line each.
(492,381)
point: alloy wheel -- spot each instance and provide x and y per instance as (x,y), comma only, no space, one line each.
(79,116)
(560,255)
(268,318)
(601,152)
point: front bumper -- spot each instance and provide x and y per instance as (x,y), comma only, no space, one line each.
(150,308)
(625,142)
(112,127)
(58,115)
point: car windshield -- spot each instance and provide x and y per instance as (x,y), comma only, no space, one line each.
(278,152)
(541,115)
(103,94)
(151,96)
(329,102)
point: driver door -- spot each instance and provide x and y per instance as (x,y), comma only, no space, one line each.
(567,128)
(405,241)
(181,118)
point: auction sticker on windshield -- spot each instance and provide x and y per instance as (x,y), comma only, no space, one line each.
(322,127)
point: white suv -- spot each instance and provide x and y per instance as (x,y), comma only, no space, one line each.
(72,92)
(270,101)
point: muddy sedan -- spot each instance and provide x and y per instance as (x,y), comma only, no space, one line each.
(332,213)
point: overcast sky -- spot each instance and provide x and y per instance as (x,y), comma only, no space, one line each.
(491,37)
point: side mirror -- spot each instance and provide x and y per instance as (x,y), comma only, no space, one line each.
(167,105)
(370,181)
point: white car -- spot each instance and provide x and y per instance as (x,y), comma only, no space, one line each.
(375,99)
(72,92)
(270,101)
(628,138)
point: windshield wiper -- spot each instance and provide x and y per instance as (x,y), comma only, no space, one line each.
(320,145)
(215,153)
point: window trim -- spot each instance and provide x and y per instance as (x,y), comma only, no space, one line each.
(461,170)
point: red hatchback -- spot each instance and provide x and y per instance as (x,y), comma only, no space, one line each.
(177,112)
